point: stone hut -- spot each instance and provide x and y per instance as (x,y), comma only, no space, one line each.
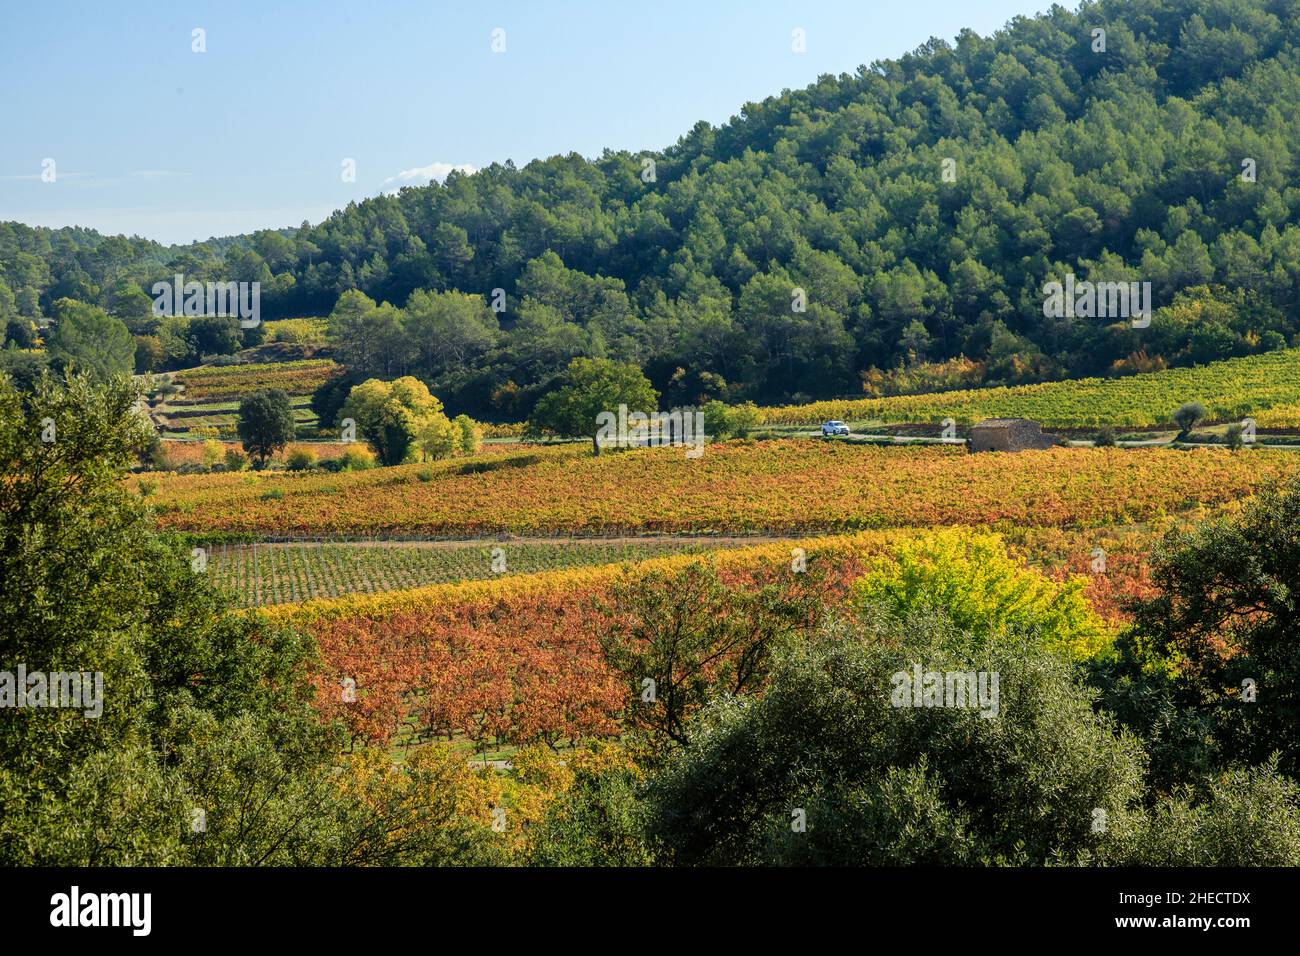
(1008,434)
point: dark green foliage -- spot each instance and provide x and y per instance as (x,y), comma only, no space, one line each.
(391,434)
(202,709)
(1187,417)
(87,339)
(19,332)
(330,396)
(599,822)
(265,423)
(214,335)
(895,785)
(1242,818)
(591,388)
(1226,615)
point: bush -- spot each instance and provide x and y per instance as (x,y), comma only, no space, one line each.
(1234,437)
(882,784)
(469,435)
(1188,416)
(599,820)
(300,459)
(723,421)
(236,460)
(1222,627)
(1105,437)
(154,455)
(356,458)
(213,452)
(1246,818)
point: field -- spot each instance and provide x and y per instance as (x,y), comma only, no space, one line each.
(1266,387)
(279,573)
(769,487)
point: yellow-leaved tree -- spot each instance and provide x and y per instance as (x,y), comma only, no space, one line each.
(402,421)
(971,578)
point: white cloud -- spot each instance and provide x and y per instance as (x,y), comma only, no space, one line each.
(423,175)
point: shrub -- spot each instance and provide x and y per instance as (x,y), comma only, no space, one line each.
(213,452)
(1105,437)
(469,435)
(1244,818)
(300,458)
(1222,625)
(236,460)
(356,458)
(1188,416)
(723,421)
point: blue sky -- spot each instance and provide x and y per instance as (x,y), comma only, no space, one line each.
(151,138)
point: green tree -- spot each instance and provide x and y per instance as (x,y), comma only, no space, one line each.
(1222,625)
(692,638)
(591,388)
(214,335)
(265,423)
(89,339)
(399,419)
(884,784)
(133,306)
(469,435)
(970,577)
(1187,417)
(722,421)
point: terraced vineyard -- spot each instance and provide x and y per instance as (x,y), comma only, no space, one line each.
(179,418)
(1266,387)
(280,573)
(213,383)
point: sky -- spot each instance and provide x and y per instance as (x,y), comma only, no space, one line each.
(113,120)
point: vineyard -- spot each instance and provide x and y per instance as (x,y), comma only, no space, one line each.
(213,383)
(1265,386)
(515,659)
(775,487)
(279,573)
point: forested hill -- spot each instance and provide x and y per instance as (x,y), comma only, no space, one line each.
(1122,164)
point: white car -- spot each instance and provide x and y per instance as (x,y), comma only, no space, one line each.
(834,428)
